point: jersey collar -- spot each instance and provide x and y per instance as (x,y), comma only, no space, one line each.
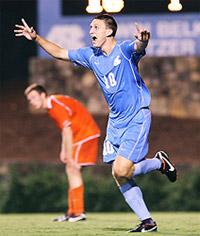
(49,102)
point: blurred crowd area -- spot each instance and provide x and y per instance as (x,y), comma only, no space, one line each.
(174,84)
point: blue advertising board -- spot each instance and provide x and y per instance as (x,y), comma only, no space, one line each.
(171,34)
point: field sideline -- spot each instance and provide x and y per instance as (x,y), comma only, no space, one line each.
(104,224)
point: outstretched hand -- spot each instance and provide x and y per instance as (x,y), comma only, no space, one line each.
(25,30)
(142,34)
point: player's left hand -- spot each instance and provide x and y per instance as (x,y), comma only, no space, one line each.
(142,34)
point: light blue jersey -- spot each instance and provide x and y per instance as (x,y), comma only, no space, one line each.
(117,73)
(122,86)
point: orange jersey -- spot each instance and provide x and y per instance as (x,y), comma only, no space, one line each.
(67,111)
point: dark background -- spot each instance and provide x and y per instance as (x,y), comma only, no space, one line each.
(15,52)
(77,7)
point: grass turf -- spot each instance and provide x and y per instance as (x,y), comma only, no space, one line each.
(104,224)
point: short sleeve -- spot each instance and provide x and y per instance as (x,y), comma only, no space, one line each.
(128,50)
(81,56)
(60,115)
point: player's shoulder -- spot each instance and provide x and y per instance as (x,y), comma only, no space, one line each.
(127,48)
(63,102)
(85,50)
(59,98)
(65,99)
(93,51)
(125,43)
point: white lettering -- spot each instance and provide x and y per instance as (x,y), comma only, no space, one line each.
(111,77)
(196,28)
(171,47)
(177,29)
(127,30)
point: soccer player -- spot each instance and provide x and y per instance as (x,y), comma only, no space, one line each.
(115,65)
(79,142)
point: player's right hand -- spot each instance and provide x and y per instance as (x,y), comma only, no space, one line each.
(25,30)
(142,34)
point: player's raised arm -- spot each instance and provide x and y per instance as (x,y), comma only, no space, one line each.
(51,48)
(142,38)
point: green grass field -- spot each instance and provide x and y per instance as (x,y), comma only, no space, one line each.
(104,224)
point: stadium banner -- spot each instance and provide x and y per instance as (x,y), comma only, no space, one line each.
(171,34)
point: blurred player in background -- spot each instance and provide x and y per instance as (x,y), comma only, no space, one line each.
(115,65)
(79,142)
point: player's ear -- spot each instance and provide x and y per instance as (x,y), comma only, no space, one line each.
(109,32)
(43,95)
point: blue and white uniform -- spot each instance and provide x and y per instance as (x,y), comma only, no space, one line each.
(127,96)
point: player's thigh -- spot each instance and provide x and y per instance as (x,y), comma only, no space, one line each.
(135,142)
(110,150)
(111,144)
(86,153)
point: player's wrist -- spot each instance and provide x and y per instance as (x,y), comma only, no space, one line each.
(142,40)
(36,38)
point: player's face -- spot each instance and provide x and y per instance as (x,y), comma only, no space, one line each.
(99,32)
(36,99)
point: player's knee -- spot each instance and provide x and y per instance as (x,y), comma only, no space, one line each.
(120,172)
(72,168)
(122,168)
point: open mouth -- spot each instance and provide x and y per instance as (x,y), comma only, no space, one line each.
(94,38)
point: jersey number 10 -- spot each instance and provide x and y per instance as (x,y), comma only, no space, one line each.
(110,80)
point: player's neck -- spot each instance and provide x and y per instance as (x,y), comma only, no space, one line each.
(45,103)
(108,46)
